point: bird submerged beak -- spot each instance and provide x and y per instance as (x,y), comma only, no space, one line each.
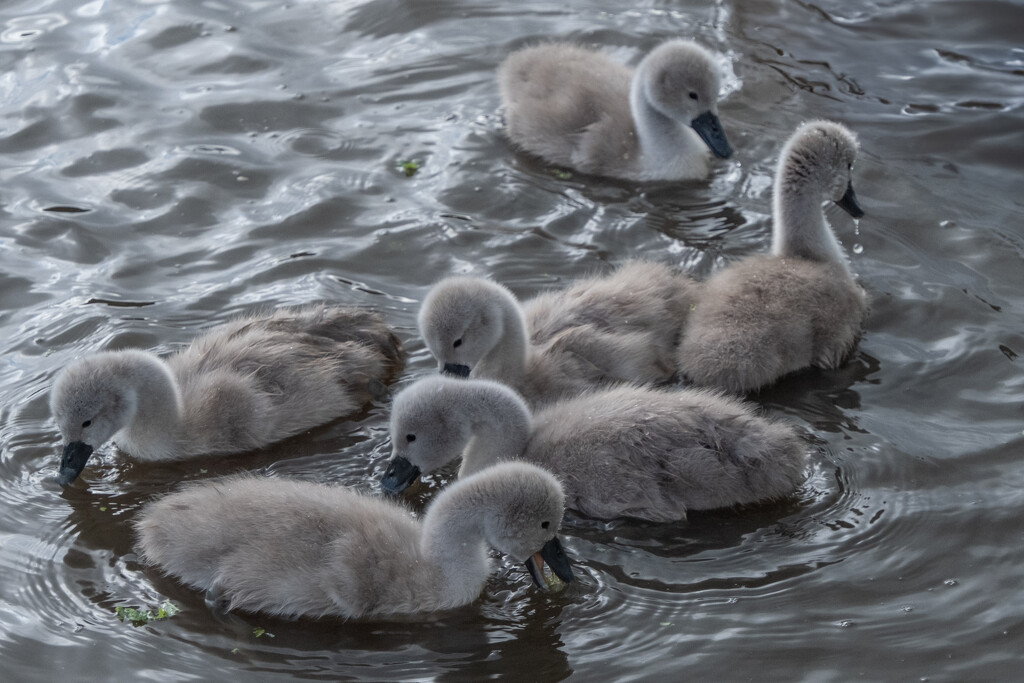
(709,128)
(848,203)
(456,370)
(399,475)
(554,555)
(72,461)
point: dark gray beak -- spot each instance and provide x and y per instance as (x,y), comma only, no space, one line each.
(709,128)
(72,461)
(399,475)
(554,556)
(849,204)
(456,370)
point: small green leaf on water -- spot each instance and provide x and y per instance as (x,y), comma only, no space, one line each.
(561,173)
(551,580)
(203,470)
(666,623)
(103,508)
(131,614)
(409,167)
(234,651)
(137,617)
(693,307)
(167,610)
(260,631)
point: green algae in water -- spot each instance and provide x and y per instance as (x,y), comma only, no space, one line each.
(409,167)
(138,617)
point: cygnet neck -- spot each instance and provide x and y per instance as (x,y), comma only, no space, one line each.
(154,432)
(506,360)
(664,143)
(498,422)
(799,228)
(453,542)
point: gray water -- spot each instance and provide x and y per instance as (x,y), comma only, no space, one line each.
(167,165)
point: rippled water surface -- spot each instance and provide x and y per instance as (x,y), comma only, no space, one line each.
(167,165)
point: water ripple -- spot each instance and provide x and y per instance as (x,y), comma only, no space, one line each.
(169,165)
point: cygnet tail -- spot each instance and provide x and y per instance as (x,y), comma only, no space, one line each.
(363,326)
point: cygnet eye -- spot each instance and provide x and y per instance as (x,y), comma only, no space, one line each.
(410,437)
(694,96)
(457,343)
(86,423)
(545,525)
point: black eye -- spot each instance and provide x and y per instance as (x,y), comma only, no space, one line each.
(545,525)
(457,343)
(86,423)
(693,96)
(410,437)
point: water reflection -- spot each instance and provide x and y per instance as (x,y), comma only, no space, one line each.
(205,158)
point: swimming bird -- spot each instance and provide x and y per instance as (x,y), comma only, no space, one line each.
(627,451)
(624,326)
(294,548)
(799,306)
(239,387)
(577,108)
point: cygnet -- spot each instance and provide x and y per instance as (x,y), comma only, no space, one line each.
(241,386)
(799,306)
(577,108)
(628,451)
(293,548)
(624,326)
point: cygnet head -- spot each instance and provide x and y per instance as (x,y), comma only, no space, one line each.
(433,420)
(680,79)
(462,319)
(426,428)
(89,405)
(526,505)
(819,158)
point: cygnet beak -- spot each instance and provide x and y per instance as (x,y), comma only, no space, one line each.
(554,555)
(709,128)
(456,370)
(72,461)
(848,203)
(399,475)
